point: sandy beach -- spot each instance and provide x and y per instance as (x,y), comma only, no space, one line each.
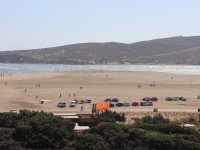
(25,90)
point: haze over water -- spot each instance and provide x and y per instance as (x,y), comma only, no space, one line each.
(26,68)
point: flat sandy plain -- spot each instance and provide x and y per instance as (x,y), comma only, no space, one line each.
(98,85)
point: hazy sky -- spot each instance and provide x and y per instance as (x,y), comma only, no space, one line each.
(29,24)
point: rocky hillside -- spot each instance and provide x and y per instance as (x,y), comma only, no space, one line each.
(174,50)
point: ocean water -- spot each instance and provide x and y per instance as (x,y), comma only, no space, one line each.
(23,68)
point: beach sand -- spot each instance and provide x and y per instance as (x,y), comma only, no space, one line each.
(25,90)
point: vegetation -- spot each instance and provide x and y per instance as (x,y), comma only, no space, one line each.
(110,116)
(174,50)
(37,130)
(40,130)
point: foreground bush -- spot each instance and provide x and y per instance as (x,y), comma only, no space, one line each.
(40,130)
(110,116)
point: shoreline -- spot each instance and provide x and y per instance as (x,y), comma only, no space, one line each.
(26,68)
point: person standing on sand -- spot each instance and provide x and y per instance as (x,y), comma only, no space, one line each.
(81,108)
(60,95)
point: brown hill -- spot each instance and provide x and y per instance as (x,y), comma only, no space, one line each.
(174,50)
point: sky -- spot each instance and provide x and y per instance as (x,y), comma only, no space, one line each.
(32,24)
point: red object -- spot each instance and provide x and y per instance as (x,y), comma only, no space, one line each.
(134,104)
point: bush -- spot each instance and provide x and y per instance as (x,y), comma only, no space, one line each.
(154,120)
(113,133)
(189,145)
(39,130)
(109,116)
(6,141)
(158,141)
(165,128)
(89,142)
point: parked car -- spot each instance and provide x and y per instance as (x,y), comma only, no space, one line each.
(13,110)
(81,101)
(87,101)
(126,104)
(149,103)
(72,104)
(145,103)
(154,99)
(75,101)
(119,104)
(45,101)
(176,98)
(172,98)
(169,98)
(61,104)
(115,100)
(108,100)
(134,104)
(112,105)
(198,97)
(182,98)
(146,99)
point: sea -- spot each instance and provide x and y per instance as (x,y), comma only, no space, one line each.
(28,68)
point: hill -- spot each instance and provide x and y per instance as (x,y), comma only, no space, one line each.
(173,50)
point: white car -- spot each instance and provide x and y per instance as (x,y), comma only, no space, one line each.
(72,104)
(13,110)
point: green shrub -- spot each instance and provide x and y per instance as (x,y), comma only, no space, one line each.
(89,142)
(110,116)
(155,119)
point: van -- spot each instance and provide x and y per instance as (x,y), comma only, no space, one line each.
(44,101)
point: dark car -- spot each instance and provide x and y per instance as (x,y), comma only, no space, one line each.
(134,104)
(154,99)
(169,98)
(119,104)
(146,99)
(108,100)
(150,103)
(146,103)
(115,100)
(61,104)
(172,98)
(182,98)
(126,104)
(112,105)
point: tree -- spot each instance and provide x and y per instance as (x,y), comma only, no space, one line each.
(6,141)
(39,130)
(155,119)
(89,142)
